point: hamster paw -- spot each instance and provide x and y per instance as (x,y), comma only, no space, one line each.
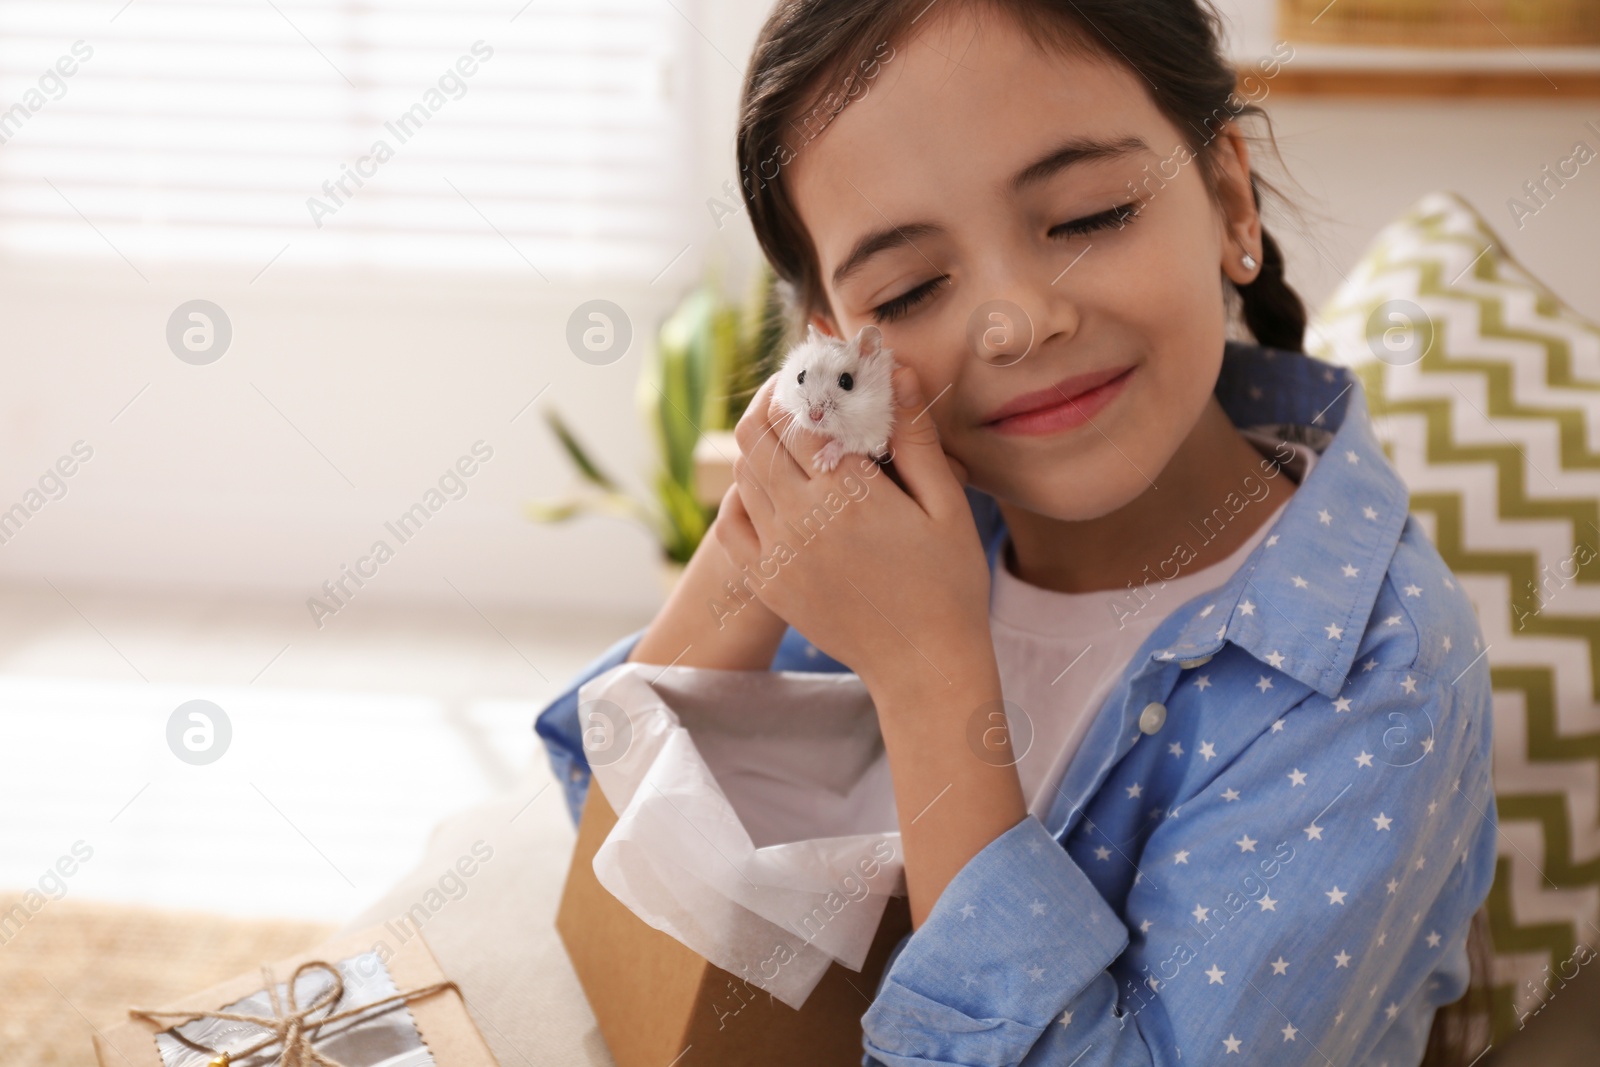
(829,457)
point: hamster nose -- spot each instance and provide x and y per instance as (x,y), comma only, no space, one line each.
(816,414)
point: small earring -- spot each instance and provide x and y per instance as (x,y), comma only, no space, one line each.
(1249,261)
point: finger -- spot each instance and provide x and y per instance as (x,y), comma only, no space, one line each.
(771,464)
(748,432)
(914,446)
(753,423)
(755,500)
(735,531)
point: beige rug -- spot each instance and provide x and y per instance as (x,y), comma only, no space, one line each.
(77,965)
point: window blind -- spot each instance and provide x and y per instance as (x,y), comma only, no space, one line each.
(550,138)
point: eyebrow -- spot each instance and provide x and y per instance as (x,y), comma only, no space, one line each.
(1070,152)
(1073,150)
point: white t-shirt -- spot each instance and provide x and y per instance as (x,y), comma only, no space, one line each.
(1060,653)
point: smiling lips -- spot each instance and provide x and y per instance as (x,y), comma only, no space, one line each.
(1067,404)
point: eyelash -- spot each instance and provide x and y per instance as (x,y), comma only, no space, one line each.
(900,305)
(1118,217)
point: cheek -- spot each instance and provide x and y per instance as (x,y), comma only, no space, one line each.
(1167,301)
(1168,288)
(1096,471)
(931,350)
(1169,392)
(951,379)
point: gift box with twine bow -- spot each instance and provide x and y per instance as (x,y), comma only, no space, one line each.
(343,1004)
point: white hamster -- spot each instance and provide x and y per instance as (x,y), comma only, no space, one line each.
(840,389)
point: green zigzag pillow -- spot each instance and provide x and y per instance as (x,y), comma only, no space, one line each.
(1485,391)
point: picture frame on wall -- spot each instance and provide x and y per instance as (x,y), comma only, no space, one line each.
(1442,23)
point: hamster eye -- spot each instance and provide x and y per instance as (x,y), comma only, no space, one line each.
(846,382)
(802,378)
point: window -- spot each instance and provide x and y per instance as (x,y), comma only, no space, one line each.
(411,134)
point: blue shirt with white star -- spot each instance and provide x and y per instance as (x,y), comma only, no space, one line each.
(1280,860)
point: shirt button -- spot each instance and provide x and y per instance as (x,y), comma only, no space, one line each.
(1190,664)
(1152,718)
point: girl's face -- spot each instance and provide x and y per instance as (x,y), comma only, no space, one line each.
(984,191)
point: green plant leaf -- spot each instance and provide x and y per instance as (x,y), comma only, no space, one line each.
(673,389)
(721,366)
(579,456)
(708,359)
(612,505)
(687,519)
(762,330)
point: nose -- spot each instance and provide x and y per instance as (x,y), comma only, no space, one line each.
(1001,332)
(1031,301)
(816,414)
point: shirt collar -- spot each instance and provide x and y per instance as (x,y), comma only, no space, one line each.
(1300,602)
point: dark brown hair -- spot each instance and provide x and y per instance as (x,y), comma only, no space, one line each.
(813,56)
(1462,1029)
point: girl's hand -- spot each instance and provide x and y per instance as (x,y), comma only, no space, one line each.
(708,621)
(892,583)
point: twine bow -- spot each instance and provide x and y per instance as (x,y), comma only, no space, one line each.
(294,1028)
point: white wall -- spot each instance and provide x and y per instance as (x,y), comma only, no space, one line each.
(1362,163)
(201,483)
(1359,162)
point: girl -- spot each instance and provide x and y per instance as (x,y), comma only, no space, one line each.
(1238,802)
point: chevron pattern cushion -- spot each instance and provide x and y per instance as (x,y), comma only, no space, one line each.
(1485,390)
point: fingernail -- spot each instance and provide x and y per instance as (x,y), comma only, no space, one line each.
(907,390)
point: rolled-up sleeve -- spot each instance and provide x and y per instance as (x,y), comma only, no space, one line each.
(557,726)
(1018,935)
(1312,896)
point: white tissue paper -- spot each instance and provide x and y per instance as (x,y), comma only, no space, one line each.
(755,815)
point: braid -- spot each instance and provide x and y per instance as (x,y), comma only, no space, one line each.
(1272,309)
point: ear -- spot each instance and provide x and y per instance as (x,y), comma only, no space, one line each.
(1241,219)
(813,333)
(869,341)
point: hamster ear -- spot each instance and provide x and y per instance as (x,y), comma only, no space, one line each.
(813,334)
(869,341)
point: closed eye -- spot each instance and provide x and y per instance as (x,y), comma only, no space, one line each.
(900,305)
(1117,217)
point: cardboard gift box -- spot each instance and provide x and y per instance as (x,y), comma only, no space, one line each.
(657,1002)
(408,1032)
